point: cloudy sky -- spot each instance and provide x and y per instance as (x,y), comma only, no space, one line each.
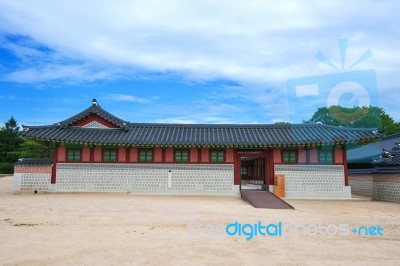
(197,61)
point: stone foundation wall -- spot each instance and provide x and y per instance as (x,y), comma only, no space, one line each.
(361,184)
(31,178)
(319,181)
(146,178)
(386,187)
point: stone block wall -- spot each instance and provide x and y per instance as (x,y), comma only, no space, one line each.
(146,178)
(361,184)
(319,181)
(31,177)
(386,187)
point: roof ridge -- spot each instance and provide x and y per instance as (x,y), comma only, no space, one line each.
(95,108)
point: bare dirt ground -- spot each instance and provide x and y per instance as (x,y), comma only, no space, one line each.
(120,229)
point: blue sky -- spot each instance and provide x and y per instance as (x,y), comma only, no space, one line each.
(195,61)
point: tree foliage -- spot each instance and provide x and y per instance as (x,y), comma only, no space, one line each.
(31,148)
(14,146)
(356,117)
(10,141)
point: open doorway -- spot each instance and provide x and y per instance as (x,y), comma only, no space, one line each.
(253,172)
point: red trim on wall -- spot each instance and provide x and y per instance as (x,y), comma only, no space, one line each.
(98,155)
(314,156)
(95,118)
(62,154)
(194,155)
(199,155)
(157,155)
(301,156)
(134,155)
(229,158)
(128,155)
(85,155)
(54,168)
(169,155)
(121,155)
(277,156)
(338,156)
(205,155)
(91,155)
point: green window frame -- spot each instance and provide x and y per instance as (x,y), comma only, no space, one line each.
(289,156)
(110,155)
(181,155)
(145,155)
(244,171)
(325,156)
(74,155)
(217,156)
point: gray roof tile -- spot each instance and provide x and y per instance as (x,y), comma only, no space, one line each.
(194,134)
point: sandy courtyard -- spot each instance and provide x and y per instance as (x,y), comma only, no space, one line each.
(120,229)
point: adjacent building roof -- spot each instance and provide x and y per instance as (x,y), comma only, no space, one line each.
(234,135)
(389,157)
(389,161)
(372,151)
(33,161)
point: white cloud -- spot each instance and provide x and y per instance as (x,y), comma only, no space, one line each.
(257,44)
(124,98)
(251,41)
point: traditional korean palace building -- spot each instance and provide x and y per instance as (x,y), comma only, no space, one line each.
(97,151)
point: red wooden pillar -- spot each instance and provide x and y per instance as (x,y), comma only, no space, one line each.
(270,163)
(54,168)
(346,174)
(236,168)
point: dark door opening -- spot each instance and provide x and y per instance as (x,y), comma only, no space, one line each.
(253,173)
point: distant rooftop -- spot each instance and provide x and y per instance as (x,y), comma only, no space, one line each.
(372,151)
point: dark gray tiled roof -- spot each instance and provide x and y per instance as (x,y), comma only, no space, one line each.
(34,161)
(387,170)
(372,151)
(389,158)
(227,135)
(94,109)
(194,134)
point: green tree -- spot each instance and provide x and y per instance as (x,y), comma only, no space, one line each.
(356,117)
(31,148)
(10,142)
